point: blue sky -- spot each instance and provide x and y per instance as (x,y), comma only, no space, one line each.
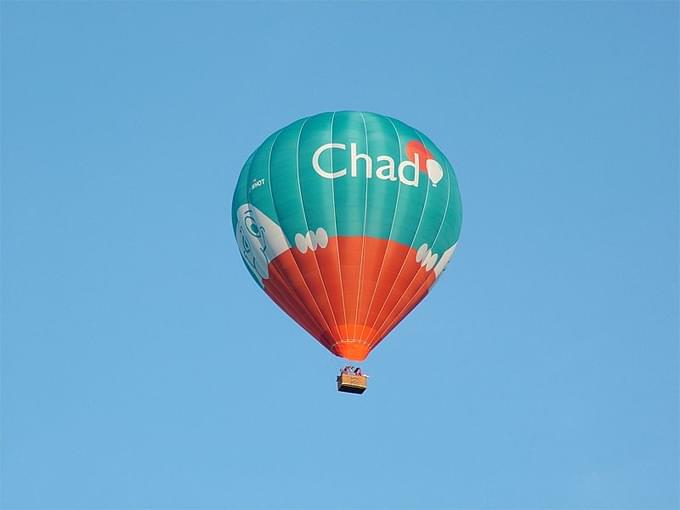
(141,366)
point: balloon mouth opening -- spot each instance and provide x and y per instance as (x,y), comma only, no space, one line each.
(355,341)
(353,350)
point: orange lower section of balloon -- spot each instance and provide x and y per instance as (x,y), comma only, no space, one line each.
(350,294)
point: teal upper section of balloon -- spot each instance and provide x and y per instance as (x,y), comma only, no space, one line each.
(353,174)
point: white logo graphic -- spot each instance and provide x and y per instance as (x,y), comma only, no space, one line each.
(428,260)
(311,240)
(259,239)
(434,171)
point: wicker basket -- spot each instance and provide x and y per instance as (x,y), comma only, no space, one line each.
(352,383)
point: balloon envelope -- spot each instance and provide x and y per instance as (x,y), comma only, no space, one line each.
(346,219)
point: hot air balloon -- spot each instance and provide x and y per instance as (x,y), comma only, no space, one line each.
(346,220)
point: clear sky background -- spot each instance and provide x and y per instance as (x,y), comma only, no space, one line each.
(143,368)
